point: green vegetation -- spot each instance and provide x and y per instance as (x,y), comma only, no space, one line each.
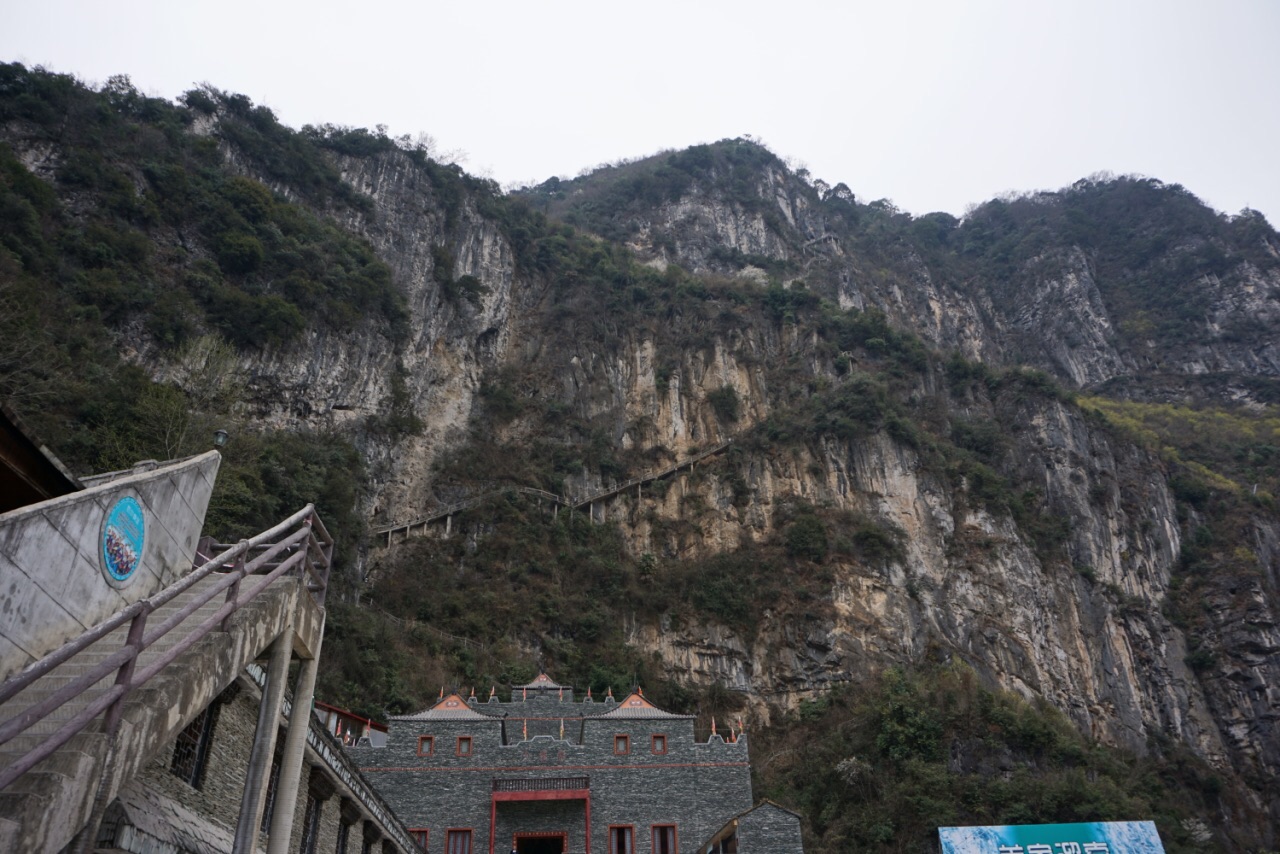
(1218,449)
(1148,246)
(144,213)
(724,403)
(607,201)
(880,767)
(456,607)
(140,226)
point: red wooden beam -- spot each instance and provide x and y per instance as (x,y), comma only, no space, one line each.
(544,795)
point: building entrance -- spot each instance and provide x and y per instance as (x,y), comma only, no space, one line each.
(542,843)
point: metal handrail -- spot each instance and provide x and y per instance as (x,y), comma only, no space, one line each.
(310,551)
(563,501)
(458,507)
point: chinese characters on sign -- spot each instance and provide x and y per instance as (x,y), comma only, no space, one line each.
(1057,848)
(1101,837)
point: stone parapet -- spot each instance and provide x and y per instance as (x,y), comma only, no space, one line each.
(52,562)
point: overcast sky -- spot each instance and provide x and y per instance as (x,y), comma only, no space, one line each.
(934,105)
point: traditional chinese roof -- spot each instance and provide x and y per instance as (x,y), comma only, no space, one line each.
(731,826)
(543,683)
(450,708)
(351,715)
(636,706)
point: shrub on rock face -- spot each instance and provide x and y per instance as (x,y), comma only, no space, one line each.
(806,537)
(240,253)
(724,402)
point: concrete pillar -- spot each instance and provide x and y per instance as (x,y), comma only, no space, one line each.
(295,743)
(264,745)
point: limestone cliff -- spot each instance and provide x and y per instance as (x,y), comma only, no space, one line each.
(1015,282)
(1088,633)
(1008,526)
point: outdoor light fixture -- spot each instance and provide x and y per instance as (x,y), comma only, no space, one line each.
(219,438)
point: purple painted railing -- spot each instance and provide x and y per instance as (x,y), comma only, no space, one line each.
(300,545)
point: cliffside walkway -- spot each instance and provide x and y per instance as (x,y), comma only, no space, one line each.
(80,723)
(446,513)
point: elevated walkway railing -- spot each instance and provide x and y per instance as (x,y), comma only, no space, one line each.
(560,500)
(300,545)
(542,784)
(652,476)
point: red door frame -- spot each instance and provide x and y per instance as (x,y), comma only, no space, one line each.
(555,795)
(541,834)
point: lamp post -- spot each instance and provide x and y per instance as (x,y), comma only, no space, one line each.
(220,437)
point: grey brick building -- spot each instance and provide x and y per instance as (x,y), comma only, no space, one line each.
(547,773)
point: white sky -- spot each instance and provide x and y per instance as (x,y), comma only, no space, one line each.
(934,105)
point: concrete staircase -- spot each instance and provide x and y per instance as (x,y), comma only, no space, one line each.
(46,807)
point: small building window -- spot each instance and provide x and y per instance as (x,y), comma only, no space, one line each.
(458,842)
(622,839)
(659,744)
(426,745)
(273,783)
(621,744)
(310,825)
(344,835)
(419,836)
(192,747)
(464,745)
(664,839)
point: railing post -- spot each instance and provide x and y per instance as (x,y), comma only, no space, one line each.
(234,590)
(125,674)
(83,841)
(328,566)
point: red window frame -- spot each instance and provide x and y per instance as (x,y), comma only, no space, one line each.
(420,835)
(624,740)
(458,840)
(630,846)
(675,838)
(658,744)
(430,742)
(464,741)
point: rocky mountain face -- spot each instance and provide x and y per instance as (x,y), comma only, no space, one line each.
(335,380)
(939,502)
(1089,632)
(1043,279)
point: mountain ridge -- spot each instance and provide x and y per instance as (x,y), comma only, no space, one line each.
(890,500)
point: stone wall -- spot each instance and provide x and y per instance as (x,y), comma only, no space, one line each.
(54,586)
(158,811)
(695,786)
(769,829)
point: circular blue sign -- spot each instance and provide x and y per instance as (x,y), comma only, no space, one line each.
(123,538)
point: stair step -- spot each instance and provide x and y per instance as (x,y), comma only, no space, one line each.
(68,763)
(41,807)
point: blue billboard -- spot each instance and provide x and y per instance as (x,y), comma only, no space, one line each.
(1097,837)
